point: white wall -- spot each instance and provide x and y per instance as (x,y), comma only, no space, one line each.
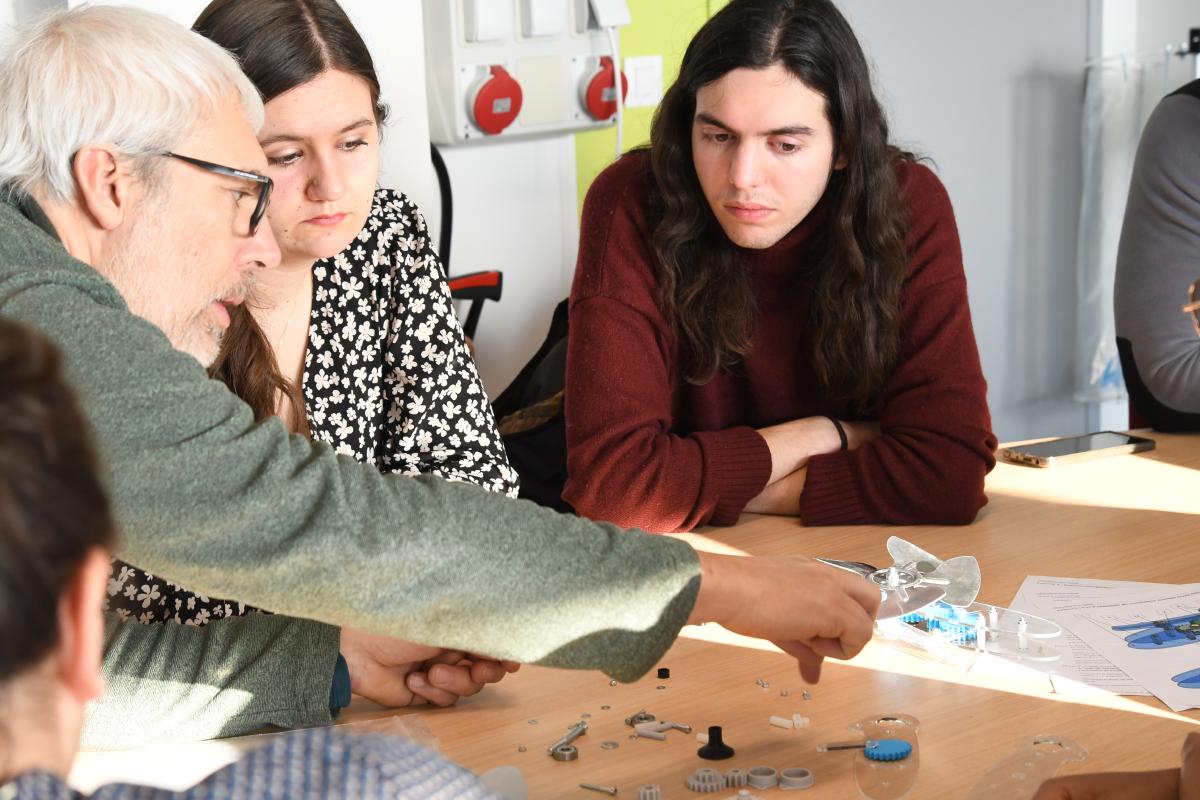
(514,210)
(15,10)
(992,92)
(392,32)
(1163,22)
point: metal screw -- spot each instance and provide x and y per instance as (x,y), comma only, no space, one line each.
(679,726)
(533,722)
(573,733)
(605,708)
(612,683)
(609,790)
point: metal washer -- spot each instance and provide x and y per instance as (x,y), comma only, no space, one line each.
(566,752)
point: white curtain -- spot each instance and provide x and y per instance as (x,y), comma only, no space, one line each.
(1115,108)
(1120,94)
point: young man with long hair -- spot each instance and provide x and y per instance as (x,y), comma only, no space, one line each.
(769,311)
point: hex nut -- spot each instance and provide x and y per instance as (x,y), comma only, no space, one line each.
(566,752)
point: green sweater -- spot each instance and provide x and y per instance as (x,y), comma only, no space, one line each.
(227,507)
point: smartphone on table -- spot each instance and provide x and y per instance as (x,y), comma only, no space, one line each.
(1073,449)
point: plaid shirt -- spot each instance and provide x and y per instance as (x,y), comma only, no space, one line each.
(313,764)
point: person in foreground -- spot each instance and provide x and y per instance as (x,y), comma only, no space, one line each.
(55,531)
(133,197)
(1164,784)
(769,312)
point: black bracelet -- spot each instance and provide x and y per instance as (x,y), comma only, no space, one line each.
(841,432)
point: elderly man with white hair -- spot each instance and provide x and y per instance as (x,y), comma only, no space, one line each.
(131,221)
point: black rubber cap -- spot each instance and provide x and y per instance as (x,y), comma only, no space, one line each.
(716,749)
(663,673)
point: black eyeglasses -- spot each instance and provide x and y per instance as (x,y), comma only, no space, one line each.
(265,184)
(1193,305)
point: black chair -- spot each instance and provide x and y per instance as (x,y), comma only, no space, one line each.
(476,287)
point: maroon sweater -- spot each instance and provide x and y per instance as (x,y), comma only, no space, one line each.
(647,449)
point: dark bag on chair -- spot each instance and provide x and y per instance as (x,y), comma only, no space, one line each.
(531,423)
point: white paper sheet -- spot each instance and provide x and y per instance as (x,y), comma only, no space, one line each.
(1081,664)
(1168,661)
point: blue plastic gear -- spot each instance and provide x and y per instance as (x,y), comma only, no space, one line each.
(888,750)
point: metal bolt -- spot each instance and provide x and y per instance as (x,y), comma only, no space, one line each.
(679,726)
(609,790)
(573,733)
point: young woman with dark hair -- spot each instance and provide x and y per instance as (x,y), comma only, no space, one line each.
(55,532)
(352,340)
(769,311)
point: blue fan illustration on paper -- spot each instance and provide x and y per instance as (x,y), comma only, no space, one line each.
(1164,633)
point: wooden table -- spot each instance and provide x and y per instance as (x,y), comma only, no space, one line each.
(1130,517)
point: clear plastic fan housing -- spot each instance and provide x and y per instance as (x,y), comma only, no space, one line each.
(959,575)
(917,579)
(886,780)
(1021,772)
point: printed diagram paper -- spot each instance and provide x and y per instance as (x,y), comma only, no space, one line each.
(1155,640)
(1044,596)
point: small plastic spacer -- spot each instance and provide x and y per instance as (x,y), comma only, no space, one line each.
(762,777)
(888,750)
(795,778)
(663,673)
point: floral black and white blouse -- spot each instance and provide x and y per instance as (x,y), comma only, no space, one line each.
(387,380)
